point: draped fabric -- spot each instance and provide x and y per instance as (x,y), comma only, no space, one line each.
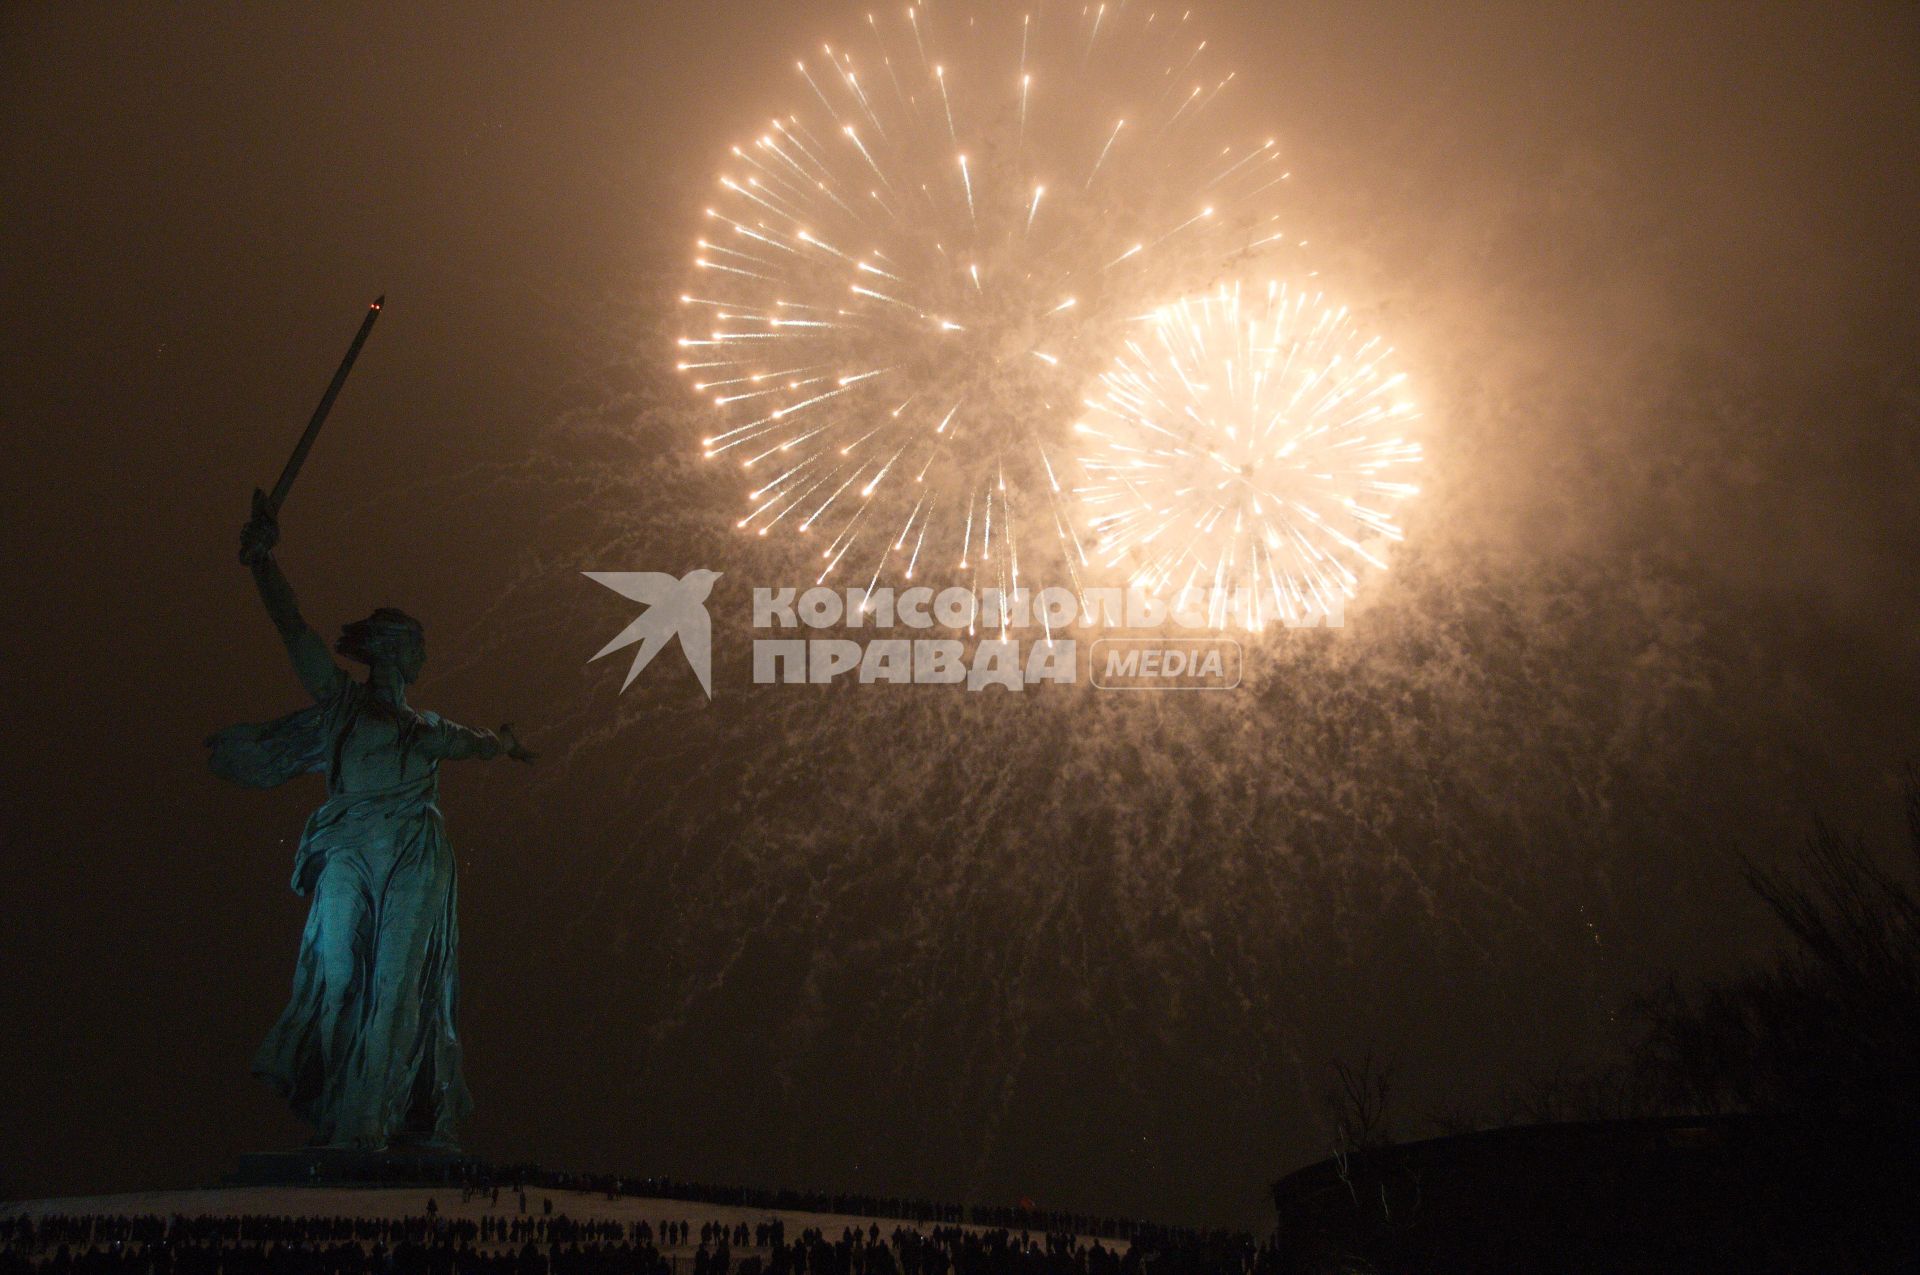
(367,1050)
(269,754)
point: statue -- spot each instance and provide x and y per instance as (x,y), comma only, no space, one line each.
(368,1050)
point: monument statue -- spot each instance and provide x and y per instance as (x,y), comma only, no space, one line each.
(367,1051)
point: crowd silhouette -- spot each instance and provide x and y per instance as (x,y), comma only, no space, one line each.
(522,1241)
(518,1179)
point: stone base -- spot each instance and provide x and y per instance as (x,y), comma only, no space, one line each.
(344,1166)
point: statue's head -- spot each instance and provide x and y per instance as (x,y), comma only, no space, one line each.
(389,636)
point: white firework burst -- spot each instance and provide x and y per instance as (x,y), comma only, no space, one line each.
(1258,445)
(905,284)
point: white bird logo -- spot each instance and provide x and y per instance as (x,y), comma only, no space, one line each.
(675,608)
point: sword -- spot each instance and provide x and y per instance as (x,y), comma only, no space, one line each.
(300,449)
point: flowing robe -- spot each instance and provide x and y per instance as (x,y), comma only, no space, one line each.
(367,1051)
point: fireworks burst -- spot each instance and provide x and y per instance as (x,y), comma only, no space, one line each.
(904,286)
(1248,444)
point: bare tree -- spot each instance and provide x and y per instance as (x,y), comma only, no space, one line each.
(1832,1023)
(1357,1103)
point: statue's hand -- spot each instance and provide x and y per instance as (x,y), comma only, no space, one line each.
(515,749)
(261,533)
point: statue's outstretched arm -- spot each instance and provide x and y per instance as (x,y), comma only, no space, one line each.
(451,741)
(311,660)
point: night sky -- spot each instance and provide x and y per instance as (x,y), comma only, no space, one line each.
(1652,265)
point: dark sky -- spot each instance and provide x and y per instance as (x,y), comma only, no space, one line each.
(1653,265)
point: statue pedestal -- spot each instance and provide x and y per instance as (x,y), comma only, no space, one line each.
(344,1166)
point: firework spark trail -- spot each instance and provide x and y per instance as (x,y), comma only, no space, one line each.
(1256,444)
(905,284)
